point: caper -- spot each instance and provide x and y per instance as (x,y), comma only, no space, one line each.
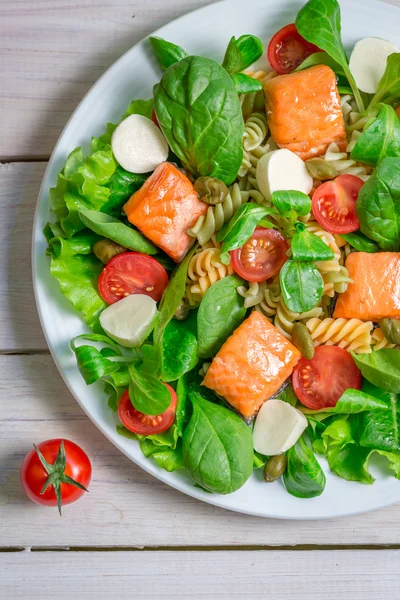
(183,310)
(321,169)
(391,329)
(301,338)
(105,250)
(275,467)
(211,190)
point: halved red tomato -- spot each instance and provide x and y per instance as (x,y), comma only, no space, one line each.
(262,256)
(320,382)
(288,49)
(334,204)
(142,424)
(132,273)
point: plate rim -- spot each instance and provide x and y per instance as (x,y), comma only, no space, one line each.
(160,474)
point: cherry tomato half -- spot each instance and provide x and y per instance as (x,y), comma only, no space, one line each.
(132,273)
(288,49)
(34,475)
(334,204)
(143,424)
(262,256)
(320,382)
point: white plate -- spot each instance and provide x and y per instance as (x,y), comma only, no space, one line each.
(205,32)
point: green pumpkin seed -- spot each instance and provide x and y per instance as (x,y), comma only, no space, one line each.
(275,467)
(105,250)
(321,169)
(301,338)
(391,329)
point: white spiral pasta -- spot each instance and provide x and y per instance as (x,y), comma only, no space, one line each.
(379,340)
(352,334)
(252,295)
(342,162)
(255,132)
(204,269)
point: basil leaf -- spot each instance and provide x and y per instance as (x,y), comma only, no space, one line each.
(381,368)
(118,232)
(303,477)
(352,402)
(319,23)
(241,53)
(291,203)
(380,139)
(122,186)
(245,84)
(322,58)
(148,395)
(220,312)
(199,112)
(166,53)
(389,86)
(217,447)
(378,205)
(172,297)
(179,348)
(309,247)
(301,285)
(240,228)
(360,242)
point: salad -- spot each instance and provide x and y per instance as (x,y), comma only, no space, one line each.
(233,246)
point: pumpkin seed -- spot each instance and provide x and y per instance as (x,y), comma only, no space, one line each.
(301,338)
(391,329)
(275,467)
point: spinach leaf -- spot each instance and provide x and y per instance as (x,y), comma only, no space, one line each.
(381,368)
(179,348)
(182,393)
(309,247)
(303,477)
(389,86)
(301,285)
(122,186)
(360,242)
(378,205)
(322,58)
(291,203)
(352,402)
(241,53)
(245,84)
(240,228)
(115,230)
(199,112)
(381,429)
(217,447)
(220,312)
(166,53)
(319,23)
(172,297)
(148,395)
(380,139)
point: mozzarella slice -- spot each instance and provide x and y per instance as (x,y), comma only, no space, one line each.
(368,62)
(139,145)
(277,428)
(282,170)
(130,320)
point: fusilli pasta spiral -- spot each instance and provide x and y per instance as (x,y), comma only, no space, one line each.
(342,162)
(204,269)
(351,334)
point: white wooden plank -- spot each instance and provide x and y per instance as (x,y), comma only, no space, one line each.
(53,52)
(359,575)
(126,506)
(19,324)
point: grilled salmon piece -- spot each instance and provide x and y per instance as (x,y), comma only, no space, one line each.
(252,365)
(375,293)
(304,112)
(164,208)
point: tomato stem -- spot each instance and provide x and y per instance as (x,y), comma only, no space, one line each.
(56,474)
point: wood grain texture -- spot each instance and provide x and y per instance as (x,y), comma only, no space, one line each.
(126,506)
(260,575)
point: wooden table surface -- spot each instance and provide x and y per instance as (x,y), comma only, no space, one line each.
(131,536)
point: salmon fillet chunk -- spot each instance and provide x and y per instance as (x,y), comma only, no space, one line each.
(303,111)
(252,365)
(164,208)
(375,293)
